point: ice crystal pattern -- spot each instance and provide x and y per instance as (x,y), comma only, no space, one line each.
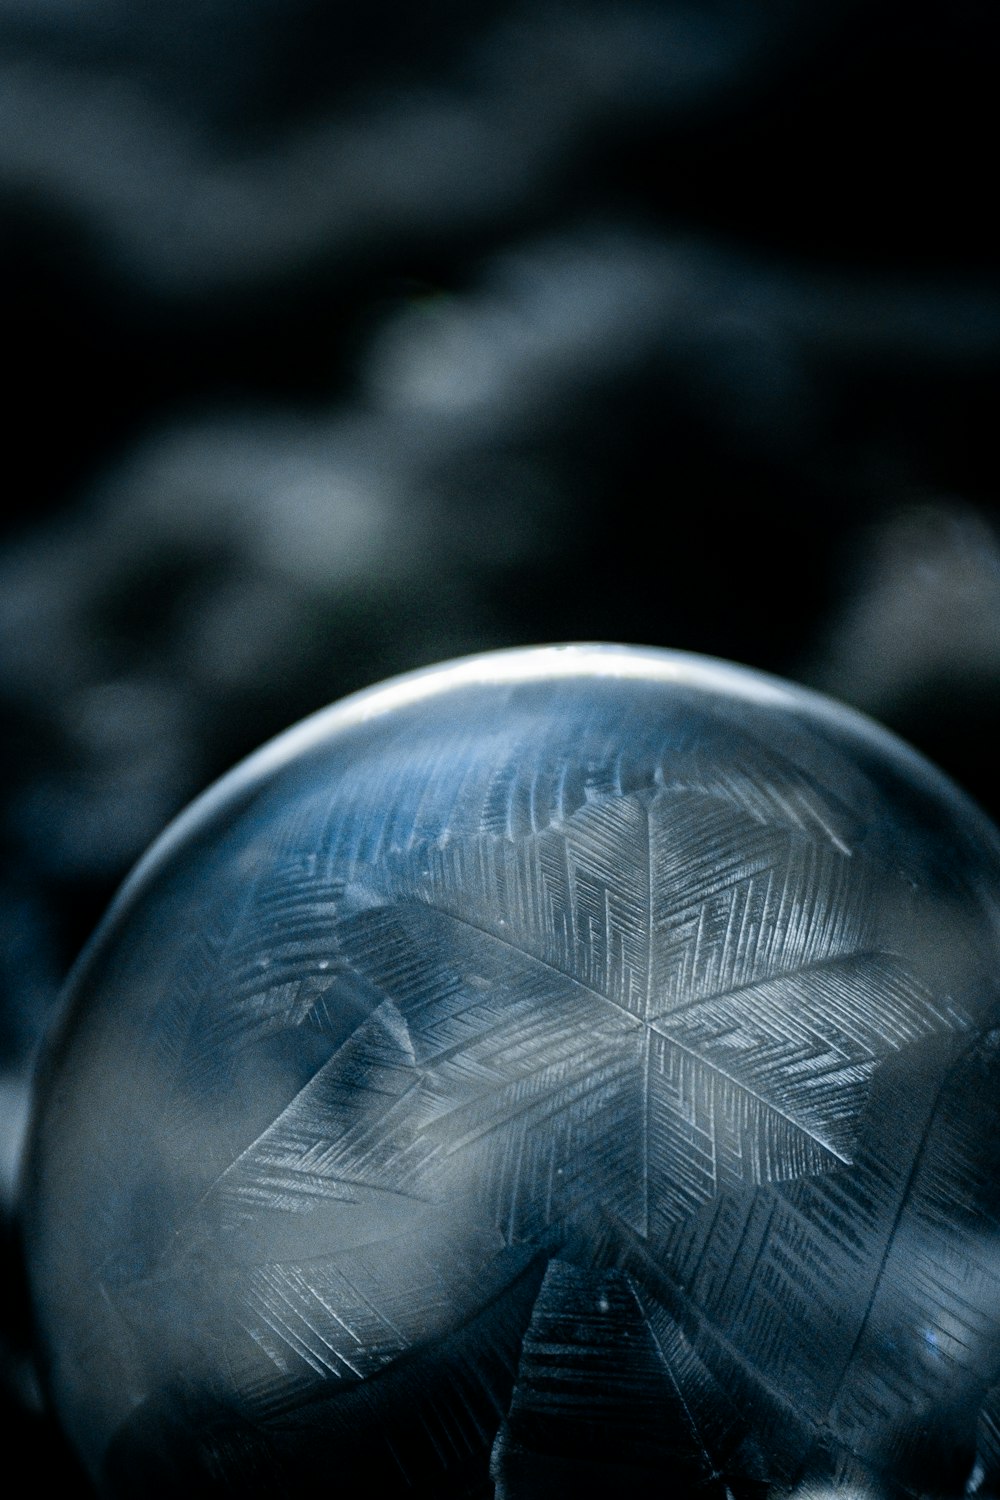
(621,1015)
(540,1092)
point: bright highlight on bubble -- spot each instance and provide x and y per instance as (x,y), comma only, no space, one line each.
(555,1071)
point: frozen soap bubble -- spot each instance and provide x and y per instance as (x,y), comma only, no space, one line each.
(554,1072)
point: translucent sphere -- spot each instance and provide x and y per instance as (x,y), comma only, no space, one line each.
(559,1070)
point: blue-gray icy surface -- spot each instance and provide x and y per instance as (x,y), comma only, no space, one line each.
(560,1071)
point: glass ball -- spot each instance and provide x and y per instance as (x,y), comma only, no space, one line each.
(560,1069)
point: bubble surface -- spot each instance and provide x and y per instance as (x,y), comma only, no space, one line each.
(555,1070)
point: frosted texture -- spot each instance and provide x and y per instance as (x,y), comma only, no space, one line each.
(561,1071)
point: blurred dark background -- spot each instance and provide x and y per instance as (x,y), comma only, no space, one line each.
(340,340)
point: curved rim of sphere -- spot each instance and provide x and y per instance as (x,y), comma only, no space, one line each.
(807,893)
(504,668)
